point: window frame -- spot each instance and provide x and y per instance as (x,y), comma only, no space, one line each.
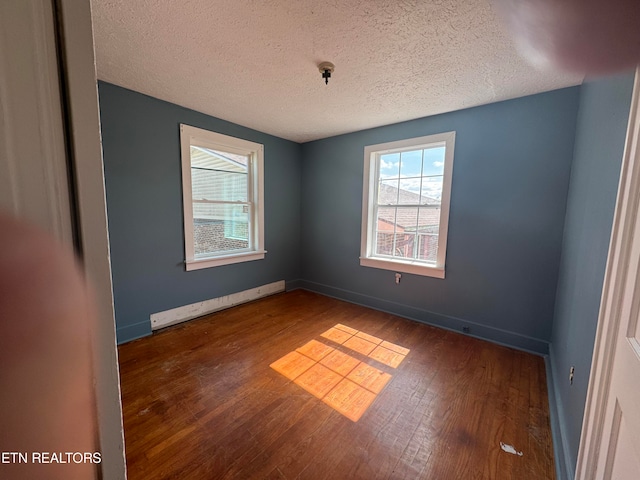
(189,136)
(372,154)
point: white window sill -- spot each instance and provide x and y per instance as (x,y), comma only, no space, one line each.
(218,261)
(415,268)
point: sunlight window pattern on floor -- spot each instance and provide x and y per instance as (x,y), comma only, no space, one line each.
(345,383)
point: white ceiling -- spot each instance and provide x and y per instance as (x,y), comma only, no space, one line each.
(254,62)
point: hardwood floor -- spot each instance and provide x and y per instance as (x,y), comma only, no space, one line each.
(200,401)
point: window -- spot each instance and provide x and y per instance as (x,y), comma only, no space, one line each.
(405,213)
(222,198)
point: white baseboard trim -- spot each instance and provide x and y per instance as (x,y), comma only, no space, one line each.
(188,312)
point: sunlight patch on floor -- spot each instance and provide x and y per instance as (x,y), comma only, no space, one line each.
(343,382)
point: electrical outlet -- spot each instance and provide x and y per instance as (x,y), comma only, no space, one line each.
(571,372)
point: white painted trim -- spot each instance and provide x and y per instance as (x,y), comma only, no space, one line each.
(33,167)
(443,232)
(33,159)
(86,145)
(614,299)
(199,263)
(372,154)
(404,267)
(190,135)
(195,310)
(187,194)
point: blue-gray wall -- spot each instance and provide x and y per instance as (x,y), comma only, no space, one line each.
(141,145)
(534,187)
(600,137)
(510,180)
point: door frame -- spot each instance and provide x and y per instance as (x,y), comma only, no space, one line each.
(80,96)
(613,302)
(49,128)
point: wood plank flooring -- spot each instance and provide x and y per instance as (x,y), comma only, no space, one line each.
(201,402)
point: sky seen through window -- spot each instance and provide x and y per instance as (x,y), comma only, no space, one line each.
(415,169)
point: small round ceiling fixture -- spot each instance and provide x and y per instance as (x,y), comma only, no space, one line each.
(326,69)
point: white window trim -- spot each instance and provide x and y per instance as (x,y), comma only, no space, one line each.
(369,194)
(206,138)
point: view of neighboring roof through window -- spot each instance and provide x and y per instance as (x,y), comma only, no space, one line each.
(407,189)
(410,179)
(222,188)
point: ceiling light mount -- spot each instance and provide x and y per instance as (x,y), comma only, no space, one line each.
(326,69)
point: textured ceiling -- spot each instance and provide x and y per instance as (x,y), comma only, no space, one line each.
(254,62)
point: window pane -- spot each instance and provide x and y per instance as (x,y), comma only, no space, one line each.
(401,217)
(428,228)
(388,192)
(431,190)
(218,175)
(406,219)
(218,185)
(429,219)
(433,161)
(222,192)
(386,219)
(220,228)
(411,163)
(390,165)
(428,247)
(406,223)
(218,160)
(384,243)
(231,161)
(404,247)
(409,191)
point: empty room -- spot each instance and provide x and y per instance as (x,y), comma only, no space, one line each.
(357,240)
(331,208)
